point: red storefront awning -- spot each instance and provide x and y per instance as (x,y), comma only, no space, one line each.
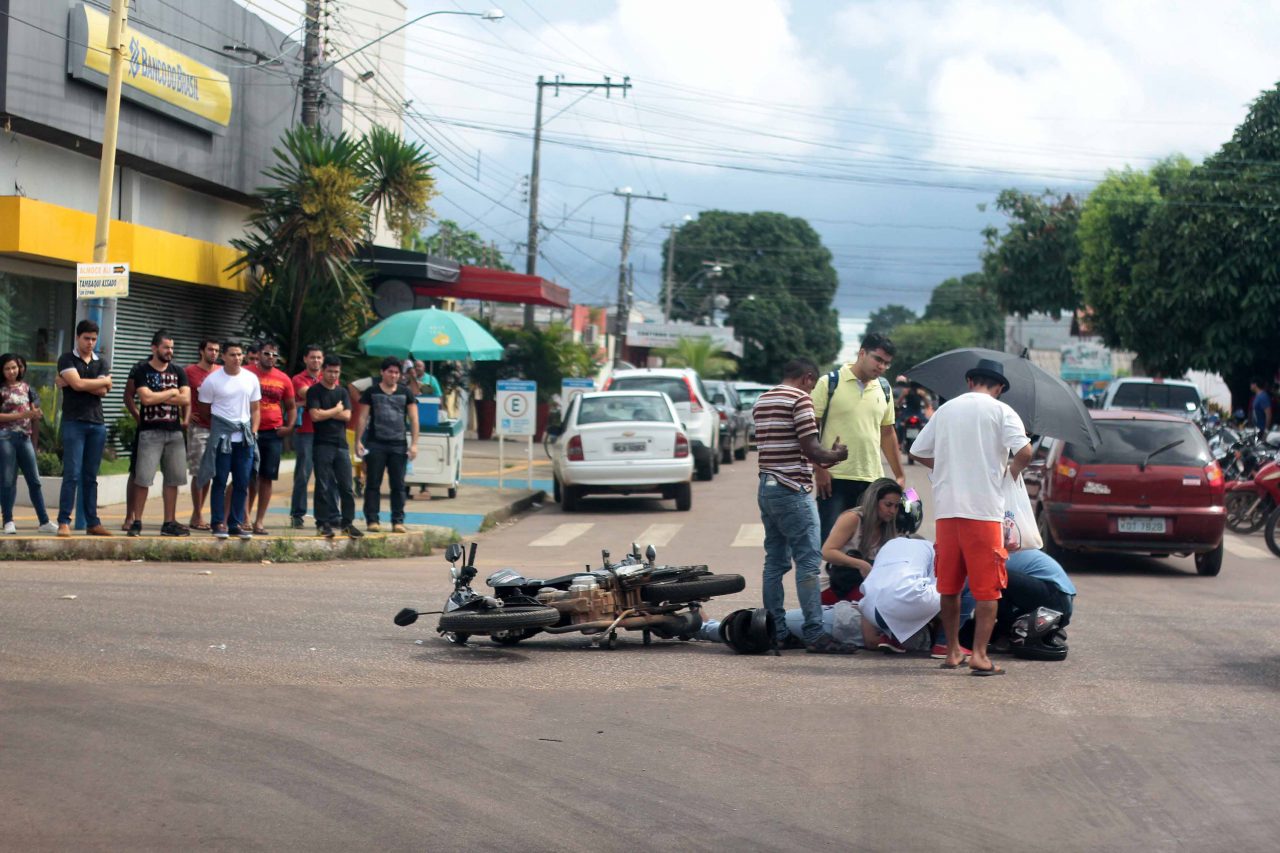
(490,285)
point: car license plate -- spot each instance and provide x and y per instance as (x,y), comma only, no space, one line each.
(1141,525)
(629,447)
(912,433)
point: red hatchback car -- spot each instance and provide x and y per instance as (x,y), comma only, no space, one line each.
(1151,487)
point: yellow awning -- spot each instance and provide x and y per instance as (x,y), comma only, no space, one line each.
(40,231)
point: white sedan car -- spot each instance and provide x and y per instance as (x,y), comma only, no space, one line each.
(621,442)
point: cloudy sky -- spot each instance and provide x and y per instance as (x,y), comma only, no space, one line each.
(885,123)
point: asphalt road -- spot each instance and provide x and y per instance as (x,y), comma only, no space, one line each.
(277,708)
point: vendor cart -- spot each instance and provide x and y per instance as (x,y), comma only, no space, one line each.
(439,461)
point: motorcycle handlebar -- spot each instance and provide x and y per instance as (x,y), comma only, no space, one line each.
(471,558)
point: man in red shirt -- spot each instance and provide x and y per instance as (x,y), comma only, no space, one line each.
(198,425)
(278,409)
(304,438)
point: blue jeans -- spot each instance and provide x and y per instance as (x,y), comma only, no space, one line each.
(237,464)
(82,444)
(791,533)
(303,442)
(18,454)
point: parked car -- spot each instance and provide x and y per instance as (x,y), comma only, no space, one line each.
(1151,487)
(748,393)
(622,443)
(1139,393)
(735,423)
(692,402)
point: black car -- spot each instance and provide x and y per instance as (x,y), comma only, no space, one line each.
(735,420)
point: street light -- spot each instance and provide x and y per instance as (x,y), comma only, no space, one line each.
(492,15)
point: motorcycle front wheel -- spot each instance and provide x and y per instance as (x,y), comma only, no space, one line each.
(1272,534)
(693,589)
(504,619)
(1246,512)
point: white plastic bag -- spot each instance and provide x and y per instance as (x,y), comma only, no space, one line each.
(1020,530)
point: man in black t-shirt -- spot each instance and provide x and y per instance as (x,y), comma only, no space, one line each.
(330,408)
(385,407)
(85,379)
(163,392)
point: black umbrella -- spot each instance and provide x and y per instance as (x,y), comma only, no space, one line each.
(1046,404)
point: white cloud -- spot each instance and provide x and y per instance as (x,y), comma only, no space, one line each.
(1069,90)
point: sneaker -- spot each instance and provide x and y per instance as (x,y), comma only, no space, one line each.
(352,532)
(326,530)
(827,645)
(298,522)
(939,651)
(48,528)
(890,645)
(399,528)
(10,528)
(373,527)
(173,528)
(220,531)
(243,533)
(135,529)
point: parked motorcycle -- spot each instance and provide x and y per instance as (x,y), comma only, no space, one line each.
(634,594)
(908,426)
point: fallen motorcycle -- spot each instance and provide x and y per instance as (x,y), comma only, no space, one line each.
(634,594)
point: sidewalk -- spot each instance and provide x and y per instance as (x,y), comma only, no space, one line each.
(479,505)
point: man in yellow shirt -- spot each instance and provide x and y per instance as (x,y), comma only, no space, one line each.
(859,415)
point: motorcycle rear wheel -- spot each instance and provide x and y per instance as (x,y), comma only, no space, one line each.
(1239,518)
(505,619)
(694,589)
(1272,534)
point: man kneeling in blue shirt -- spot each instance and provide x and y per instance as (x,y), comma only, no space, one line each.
(1035,580)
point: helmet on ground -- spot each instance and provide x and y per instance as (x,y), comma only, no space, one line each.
(748,632)
(910,513)
(1039,635)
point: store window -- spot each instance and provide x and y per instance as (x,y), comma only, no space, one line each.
(37,317)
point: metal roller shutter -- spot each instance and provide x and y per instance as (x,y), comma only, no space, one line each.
(188,312)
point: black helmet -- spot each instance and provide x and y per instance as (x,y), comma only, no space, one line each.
(910,513)
(1039,636)
(748,632)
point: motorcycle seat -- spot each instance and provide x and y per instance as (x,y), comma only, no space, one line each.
(517,581)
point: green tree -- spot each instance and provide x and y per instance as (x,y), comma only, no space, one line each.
(318,212)
(701,354)
(1208,268)
(465,247)
(545,356)
(779,279)
(966,301)
(1113,220)
(922,340)
(1028,267)
(884,320)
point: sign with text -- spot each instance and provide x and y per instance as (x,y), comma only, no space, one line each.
(102,281)
(1085,361)
(517,407)
(570,388)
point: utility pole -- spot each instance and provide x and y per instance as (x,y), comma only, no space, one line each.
(311,70)
(620,324)
(671,272)
(531,245)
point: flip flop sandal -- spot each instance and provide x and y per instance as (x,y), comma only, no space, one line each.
(995,670)
(199,526)
(259,531)
(945,665)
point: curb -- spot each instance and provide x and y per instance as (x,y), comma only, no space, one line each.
(279,549)
(514,508)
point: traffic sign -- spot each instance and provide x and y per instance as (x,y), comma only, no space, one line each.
(517,407)
(98,281)
(570,388)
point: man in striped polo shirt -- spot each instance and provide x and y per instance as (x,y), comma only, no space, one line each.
(787,436)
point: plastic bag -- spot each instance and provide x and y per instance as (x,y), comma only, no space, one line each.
(1020,530)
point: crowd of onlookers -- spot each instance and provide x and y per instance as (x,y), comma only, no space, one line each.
(223,422)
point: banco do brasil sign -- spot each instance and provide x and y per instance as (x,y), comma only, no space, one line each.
(156,76)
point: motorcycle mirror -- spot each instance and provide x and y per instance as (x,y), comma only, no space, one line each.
(635,550)
(651,553)
(453,553)
(406,617)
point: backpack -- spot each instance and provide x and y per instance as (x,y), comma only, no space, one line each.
(833,382)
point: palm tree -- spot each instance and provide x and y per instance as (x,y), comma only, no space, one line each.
(701,354)
(326,193)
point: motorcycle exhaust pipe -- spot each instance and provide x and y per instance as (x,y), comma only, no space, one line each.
(686,623)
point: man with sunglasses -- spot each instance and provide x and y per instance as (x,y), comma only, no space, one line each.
(855,405)
(279,409)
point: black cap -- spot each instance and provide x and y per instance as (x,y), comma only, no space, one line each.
(991,369)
